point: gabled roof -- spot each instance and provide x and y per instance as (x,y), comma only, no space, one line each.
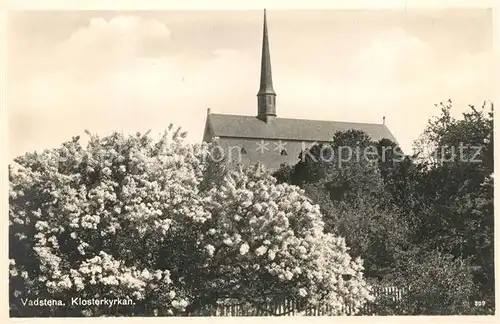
(238,126)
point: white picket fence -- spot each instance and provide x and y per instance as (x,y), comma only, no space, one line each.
(290,307)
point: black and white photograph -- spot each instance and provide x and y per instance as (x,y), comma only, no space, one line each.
(260,162)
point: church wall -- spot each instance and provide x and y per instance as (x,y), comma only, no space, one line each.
(208,134)
(267,152)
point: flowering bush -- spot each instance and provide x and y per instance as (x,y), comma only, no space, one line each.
(159,223)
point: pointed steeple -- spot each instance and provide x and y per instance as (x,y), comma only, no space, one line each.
(266,95)
(266,76)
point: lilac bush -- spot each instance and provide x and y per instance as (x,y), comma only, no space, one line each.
(138,218)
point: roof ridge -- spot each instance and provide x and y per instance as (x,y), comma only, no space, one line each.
(240,126)
(305,119)
(231,115)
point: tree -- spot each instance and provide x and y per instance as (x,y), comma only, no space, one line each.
(454,193)
(439,284)
(429,283)
(161,223)
(404,206)
(376,232)
(346,167)
(345,178)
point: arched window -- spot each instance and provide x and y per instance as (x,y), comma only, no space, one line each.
(243,151)
(283,152)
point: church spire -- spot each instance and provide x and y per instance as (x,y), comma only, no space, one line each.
(266,95)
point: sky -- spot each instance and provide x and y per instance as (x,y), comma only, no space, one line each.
(68,71)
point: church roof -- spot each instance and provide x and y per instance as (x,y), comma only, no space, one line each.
(237,126)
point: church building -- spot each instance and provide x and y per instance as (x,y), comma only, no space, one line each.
(268,139)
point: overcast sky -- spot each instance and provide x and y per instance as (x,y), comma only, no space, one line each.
(135,71)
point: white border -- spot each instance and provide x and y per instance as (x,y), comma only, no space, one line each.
(224,5)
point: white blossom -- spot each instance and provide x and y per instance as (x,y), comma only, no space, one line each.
(244,248)
(149,198)
(210,249)
(261,250)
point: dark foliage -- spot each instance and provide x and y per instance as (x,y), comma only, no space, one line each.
(396,211)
